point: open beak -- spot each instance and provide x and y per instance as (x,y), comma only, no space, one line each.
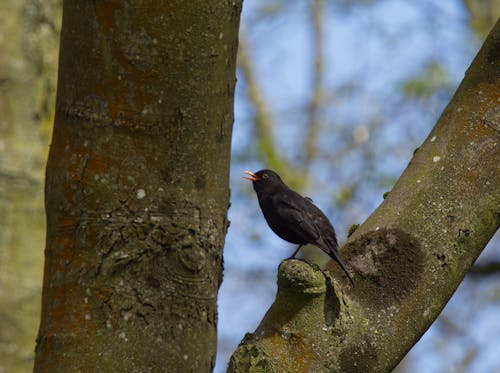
(252,177)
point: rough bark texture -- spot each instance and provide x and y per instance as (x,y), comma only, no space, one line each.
(407,258)
(137,186)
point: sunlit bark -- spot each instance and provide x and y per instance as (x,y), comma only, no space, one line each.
(137,186)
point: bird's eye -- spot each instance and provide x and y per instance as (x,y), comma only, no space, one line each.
(265,176)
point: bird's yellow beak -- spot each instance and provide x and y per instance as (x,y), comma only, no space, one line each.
(252,177)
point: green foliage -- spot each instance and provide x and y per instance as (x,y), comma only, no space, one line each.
(271,8)
(434,78)
(344,195)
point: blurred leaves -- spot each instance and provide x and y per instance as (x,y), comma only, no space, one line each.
(344,195)
(271,8)
(432,79)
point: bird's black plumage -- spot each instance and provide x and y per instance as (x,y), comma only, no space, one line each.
(292,217)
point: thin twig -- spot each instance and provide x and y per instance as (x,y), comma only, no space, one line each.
(263,118)
(316,97)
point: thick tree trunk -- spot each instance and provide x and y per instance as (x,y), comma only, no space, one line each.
(407,258)
(137,186)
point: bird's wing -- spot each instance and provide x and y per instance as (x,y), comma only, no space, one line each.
(314,222)
(297,217)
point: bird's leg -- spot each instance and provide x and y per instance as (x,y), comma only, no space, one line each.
(295,252)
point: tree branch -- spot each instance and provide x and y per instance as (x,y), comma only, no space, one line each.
(486,269)
(407,258)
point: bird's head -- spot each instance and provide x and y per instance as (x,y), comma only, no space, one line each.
(264,180)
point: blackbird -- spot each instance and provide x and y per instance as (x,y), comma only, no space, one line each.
(292,217)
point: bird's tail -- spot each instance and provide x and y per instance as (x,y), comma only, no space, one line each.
(334,254)
(336,257)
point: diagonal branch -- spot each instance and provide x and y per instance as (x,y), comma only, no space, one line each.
(407,258)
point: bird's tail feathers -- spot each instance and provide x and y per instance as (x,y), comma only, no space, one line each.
(334,254)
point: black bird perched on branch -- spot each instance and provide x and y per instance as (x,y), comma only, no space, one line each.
(292,217)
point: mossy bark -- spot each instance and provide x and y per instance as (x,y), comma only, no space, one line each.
(407,258)
(137,186)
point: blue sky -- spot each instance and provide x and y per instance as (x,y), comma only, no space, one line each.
(377,47)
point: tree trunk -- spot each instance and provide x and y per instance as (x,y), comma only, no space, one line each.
(407,258)
(29,40)
(137,186)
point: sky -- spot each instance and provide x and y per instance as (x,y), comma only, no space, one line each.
(376,46)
